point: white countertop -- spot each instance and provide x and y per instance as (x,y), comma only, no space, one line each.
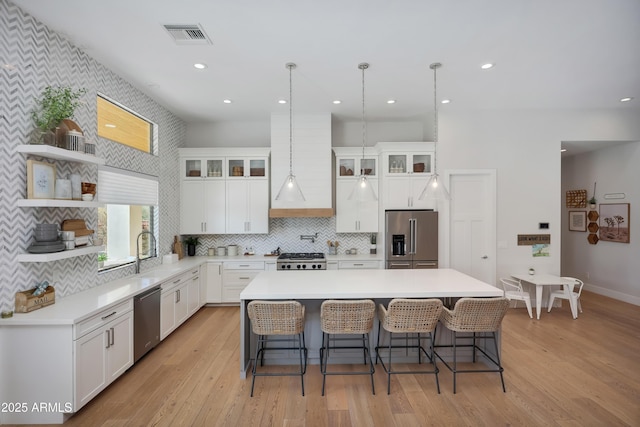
(422,283)
(77,307)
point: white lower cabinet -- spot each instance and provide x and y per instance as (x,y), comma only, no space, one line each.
(176,303)
(103,354)
(214,282)
(358,265)
(236,275)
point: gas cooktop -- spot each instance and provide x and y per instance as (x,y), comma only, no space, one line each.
(301,261)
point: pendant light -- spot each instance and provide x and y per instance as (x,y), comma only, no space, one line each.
(363,190)
(290,191)
(435,188)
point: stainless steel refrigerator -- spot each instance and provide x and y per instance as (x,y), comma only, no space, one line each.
(411,239)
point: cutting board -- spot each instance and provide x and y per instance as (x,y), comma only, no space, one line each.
(177,247)
(76,225)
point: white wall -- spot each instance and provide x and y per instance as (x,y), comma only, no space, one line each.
(607,268)
(524,148)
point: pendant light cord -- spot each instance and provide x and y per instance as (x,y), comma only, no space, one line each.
(363,66)
(435,67)
(291,66)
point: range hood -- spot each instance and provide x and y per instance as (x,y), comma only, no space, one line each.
(312,165)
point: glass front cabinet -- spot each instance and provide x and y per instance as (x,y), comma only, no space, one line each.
(203,168)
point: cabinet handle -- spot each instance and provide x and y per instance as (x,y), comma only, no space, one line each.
(108,339)
(108,315)
(219,268)
(358,265)
(178,296)
(244,265)
(244,278)
(176,281)
(113,337)
(205,227)
(195,271)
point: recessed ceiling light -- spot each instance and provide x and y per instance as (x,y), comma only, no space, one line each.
(282,101)
(391,101)
(337,101)
(626,99)
(200,66)
(486,66)
(445,101)
(109,125)
(227,101)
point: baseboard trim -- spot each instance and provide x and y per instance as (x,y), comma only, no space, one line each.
(612,294)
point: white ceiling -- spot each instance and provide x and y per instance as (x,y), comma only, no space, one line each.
(548,53)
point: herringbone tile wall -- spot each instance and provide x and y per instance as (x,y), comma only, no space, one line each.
(41,57)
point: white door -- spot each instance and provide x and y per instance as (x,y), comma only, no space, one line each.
(472,223)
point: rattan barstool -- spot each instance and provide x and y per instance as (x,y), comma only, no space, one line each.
(476,316)
(346,317)
(278,318)
(409,316)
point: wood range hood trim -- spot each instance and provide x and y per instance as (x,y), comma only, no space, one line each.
(302,213)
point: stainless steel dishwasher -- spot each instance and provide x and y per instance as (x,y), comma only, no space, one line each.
(146,322)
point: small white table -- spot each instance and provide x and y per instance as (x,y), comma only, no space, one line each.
(541,280)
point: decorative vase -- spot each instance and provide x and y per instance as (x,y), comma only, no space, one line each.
(191,250)
(41,137)
(532,271)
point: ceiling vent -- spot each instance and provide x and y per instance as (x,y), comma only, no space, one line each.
(187,34)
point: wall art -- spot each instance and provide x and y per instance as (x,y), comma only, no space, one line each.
(577,221)
(614,222)
(41,178)
(577,198)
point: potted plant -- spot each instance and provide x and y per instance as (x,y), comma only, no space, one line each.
(102,257)
(191,242)
(54,105)
(592,202)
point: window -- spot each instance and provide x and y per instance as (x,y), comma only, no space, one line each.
(130,205)
(122,125)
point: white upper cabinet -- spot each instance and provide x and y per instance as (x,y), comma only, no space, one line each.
(224,190)
(353,216)
(247,206)
(406,168)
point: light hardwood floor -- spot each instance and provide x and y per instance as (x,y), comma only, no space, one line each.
(558,372)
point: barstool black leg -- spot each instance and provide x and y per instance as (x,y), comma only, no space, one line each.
(455,365)
(495,343)
(301,347)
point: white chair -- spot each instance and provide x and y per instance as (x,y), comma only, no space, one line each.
(513,291)
(561,293)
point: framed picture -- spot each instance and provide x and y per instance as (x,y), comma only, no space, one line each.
(41,179)
(614,222)
(577,221)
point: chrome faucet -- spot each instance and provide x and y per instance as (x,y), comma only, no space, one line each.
(311,237)
(155,246)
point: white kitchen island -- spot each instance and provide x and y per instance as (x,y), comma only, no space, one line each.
(313,287)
